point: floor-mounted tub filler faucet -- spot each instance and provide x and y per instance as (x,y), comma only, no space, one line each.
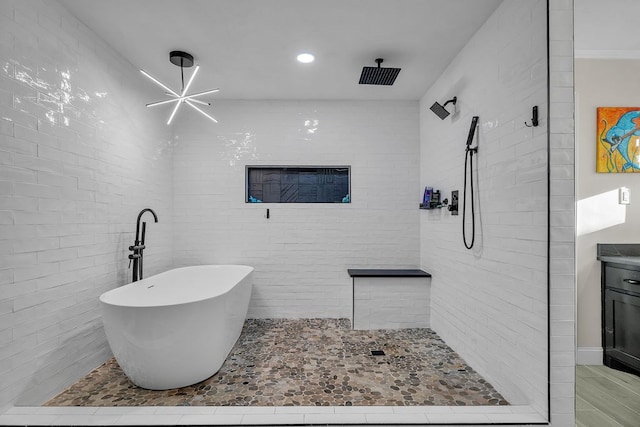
(138,246)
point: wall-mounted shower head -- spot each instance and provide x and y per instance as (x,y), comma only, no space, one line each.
(440,110)
(378,75)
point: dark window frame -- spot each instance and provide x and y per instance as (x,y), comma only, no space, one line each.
(305,168)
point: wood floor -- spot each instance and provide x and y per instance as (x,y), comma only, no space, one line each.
(606,397)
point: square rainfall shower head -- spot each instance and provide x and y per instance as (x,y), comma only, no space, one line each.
(378,75)
(442,112)
(439,110)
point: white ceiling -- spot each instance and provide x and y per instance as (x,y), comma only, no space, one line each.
(606,28)
(247,48)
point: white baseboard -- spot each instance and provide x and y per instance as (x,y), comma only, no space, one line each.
(589,356)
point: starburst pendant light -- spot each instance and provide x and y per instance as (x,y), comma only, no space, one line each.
(182,60)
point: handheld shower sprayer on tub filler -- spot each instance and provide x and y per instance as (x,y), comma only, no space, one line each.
(138,246)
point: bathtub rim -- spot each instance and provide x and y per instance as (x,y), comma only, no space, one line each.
(175,304)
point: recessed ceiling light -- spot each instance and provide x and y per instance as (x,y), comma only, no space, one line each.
(305,58)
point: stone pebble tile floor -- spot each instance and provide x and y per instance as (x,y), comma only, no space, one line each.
(317,362)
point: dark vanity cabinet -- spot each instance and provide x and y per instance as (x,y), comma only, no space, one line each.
(621,315)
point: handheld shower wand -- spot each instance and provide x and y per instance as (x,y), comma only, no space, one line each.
(468,159)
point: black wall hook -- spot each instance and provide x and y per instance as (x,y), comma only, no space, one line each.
(534,118)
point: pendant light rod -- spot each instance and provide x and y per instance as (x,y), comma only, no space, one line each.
(195,71)
(159,83)
(205,92)
(154,104)
(197,101)
(200,111)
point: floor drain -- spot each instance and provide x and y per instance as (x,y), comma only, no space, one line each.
(377,353)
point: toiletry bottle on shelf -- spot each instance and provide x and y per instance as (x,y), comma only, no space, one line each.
(435,199)
(426,198)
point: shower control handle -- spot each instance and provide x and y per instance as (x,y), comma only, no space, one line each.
(453,207)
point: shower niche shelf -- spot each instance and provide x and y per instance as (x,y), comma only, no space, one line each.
(431,200)
(427,207)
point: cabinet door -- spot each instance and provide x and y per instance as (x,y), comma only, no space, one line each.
(622,327)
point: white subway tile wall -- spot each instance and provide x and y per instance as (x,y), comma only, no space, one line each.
(80,155)
(302,252)
(490,303)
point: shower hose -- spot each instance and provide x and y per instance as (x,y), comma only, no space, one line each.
(468,159)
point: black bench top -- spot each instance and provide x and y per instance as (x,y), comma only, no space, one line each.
(385,272)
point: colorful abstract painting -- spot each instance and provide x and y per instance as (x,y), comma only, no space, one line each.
(618,140)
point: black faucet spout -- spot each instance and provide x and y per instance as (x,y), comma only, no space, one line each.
(139,245)
(155,217)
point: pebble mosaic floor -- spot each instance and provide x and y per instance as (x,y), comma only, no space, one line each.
(309,362)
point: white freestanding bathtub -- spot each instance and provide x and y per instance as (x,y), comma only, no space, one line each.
(176,328)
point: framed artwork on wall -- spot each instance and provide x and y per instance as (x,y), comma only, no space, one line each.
(618,146)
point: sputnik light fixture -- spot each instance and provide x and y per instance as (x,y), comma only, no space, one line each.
(182,60)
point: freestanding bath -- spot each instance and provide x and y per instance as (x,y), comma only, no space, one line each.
(176,328)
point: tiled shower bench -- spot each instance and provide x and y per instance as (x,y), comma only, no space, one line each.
(390,298)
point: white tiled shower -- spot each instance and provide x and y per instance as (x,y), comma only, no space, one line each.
(79,153)
(302,252)
(490,302)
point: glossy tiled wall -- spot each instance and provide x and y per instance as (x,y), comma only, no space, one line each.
(490,303)
(80,155)
(302,252)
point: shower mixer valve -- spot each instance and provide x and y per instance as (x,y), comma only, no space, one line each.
(453,207)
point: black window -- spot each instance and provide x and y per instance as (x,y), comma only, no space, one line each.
(297,184)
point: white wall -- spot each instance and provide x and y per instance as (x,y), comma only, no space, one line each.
(301,254)
(80,155)
(600,83)
(490,303)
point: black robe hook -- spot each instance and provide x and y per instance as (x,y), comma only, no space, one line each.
(534,118)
